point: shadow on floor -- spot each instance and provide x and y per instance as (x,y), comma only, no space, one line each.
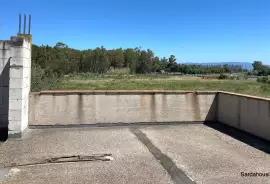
(242,136)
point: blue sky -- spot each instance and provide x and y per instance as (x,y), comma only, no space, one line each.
(192,30)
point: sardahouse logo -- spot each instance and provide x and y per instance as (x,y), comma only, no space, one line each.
(255,174)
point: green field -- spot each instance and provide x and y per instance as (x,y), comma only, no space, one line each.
(162,83)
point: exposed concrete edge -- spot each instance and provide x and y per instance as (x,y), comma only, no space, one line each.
(119,124)
(17,40)
(243,95)
(119,92)
(72,92)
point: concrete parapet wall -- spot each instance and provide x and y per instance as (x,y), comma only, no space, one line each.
(248,113)
(244,112)
(94,107)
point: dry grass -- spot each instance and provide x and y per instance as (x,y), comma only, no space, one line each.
(164,83)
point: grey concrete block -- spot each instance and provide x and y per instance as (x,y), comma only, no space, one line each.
(19,73)
(15,115)
(20,52)
(25,62)
(19,82)
(14,126)
(17,93)
(16,104)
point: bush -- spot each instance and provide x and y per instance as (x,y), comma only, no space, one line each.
(222,76)
(263,80)
(118,71)
(85,75)
(246,76)
(42,81)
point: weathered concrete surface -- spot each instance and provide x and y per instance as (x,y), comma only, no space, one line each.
(132,162)
(209,156)
(19,85)
(251,114)
(95,107)
(204,154)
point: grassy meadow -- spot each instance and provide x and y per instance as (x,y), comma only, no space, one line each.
(161,82)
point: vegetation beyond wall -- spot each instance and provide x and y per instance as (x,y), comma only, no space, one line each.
(53,65)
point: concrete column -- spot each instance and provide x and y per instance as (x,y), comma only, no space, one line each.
(19,85)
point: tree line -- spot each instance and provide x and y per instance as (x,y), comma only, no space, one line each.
(61,60)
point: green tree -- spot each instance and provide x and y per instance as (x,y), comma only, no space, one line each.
(156,67)
(117,58)
(227,69)
(131,59)
(172,60)
(260,69)
(144,62)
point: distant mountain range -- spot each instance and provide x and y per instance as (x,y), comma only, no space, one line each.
(245,65)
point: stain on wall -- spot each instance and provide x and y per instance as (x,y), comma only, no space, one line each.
(121,108)
(244,112)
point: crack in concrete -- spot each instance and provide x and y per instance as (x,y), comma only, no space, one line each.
(177,175)
(65,159)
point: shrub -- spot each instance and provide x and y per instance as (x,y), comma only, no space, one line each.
(246,76)
(222,76)
(118,71)
(42,81)
(263,80)
(86,75)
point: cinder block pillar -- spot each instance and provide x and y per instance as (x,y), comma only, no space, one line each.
(19,85)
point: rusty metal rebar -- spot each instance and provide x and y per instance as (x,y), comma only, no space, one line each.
(29,24)
(24,24)
(20,21)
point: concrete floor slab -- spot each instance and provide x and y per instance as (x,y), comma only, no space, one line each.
(132,163)
(209,156)
(148,154)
